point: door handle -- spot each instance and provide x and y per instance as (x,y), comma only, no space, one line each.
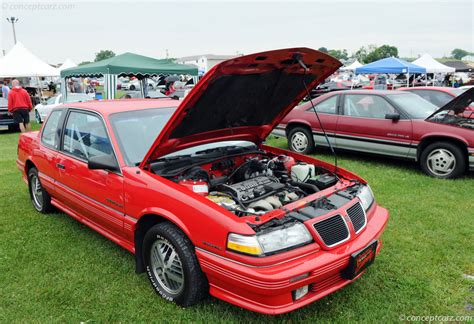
(60,166)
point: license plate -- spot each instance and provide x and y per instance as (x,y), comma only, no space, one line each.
(360,260)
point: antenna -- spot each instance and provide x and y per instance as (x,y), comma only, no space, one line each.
(297,57)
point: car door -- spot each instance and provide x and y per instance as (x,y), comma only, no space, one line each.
(93,195)
(363,126)
(328,113)
(46,157)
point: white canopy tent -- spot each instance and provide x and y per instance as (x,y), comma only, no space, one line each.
(20,62)
(68,63)
(351,67)
(431,65)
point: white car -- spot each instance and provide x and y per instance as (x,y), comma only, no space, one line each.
(42,110)
(135,84)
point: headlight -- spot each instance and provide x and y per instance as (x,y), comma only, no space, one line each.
(366,197)
(279,239)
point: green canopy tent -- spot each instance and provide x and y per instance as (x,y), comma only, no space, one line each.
(127,64)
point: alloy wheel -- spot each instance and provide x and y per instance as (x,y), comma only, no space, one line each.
(441,162)
(299,142)
(37,191)
(167,267)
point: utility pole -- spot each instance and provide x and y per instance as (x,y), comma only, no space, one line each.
(13,20)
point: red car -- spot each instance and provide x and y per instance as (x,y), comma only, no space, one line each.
(392,123)
(189,188)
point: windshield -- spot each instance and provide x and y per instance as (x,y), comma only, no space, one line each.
(51,101)
(458,91)
(413,105)
(136,131)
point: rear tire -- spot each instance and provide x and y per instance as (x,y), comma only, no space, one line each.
(172,266)
(300,140)
(40,198)
(443,160)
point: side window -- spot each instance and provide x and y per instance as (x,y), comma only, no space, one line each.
(367,106)
(328,106)
(85,136)
(50,129)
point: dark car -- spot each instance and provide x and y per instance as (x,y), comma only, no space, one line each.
(392,123)
(5,119)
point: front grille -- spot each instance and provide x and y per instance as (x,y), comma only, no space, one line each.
(332,230)
(358,217)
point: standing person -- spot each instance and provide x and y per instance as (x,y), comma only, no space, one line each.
(19,105)
(5,89)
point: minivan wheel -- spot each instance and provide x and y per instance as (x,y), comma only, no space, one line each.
(443,160)
(300,140)
(172,266)
(39,196)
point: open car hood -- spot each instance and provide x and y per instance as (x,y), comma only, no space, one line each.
(243,99)
(458,105)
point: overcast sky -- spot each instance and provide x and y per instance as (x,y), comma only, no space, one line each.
(56,30)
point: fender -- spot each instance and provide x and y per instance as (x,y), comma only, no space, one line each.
(447,135)
(160,212)
(299,121)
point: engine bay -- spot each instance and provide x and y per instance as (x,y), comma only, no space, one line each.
(250,183)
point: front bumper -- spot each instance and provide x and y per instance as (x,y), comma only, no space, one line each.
(268,289)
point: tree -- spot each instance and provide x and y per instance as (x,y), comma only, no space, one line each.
(458,53)
(103,54)
(373,53)
(381,52)
(323,49)
(339,54)
(84,62)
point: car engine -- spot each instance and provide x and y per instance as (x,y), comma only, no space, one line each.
(249,185)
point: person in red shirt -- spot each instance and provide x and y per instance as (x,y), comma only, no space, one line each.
(19,105)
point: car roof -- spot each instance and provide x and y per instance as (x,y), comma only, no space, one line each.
(375,92)
(106,107)
(443,89)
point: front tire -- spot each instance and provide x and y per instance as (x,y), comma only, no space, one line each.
(172,266)
(39,196)
(300,140)
(443,160)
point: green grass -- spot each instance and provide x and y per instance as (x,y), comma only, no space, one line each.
(54,269)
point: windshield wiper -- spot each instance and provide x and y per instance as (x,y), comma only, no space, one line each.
(233,148)
(173,158)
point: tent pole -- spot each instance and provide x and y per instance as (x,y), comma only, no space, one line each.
(40,88)
(408,79)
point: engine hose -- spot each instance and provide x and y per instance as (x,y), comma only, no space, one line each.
(306,187)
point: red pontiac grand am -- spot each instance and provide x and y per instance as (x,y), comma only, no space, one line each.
(190,189)
(392,123)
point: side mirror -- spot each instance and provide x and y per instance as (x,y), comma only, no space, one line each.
(394,117)
(103,162)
